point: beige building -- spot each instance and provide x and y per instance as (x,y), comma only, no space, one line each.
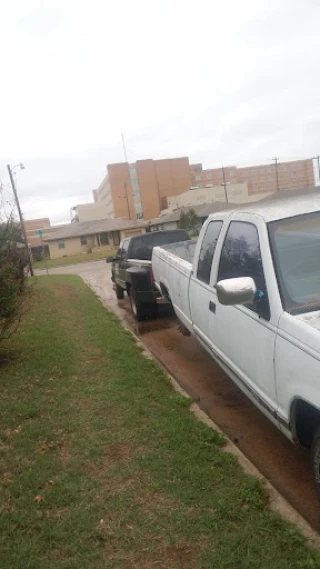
(84,237)
(277,176)
(88,212)
(139,190)
(236,193)
(36,240)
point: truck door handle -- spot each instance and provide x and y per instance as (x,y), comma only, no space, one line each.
(212,307)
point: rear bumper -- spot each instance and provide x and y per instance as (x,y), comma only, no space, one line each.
(148,296)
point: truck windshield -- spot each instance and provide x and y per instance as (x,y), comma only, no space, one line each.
(141,247)
(295,244)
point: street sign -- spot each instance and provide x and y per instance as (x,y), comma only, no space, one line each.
(40,231)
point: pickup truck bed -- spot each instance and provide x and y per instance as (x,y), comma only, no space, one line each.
(249,292)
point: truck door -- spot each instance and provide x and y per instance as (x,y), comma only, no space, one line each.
(243,337)
(122,263)
(200,291)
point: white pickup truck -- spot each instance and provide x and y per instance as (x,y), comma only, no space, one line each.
(251,296)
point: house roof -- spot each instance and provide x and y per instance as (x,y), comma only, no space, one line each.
(93,228)
(202,210)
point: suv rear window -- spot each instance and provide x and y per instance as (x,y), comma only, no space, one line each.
(141,247)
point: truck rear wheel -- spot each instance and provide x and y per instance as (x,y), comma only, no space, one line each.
(315,451)
(153,310)
(119,292)
(137,307)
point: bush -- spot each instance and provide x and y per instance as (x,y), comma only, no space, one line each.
(13,261)
(189,221)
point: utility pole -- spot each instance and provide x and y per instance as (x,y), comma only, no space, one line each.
(317,158)
(14,189)
(224,184)
(126,190)
(277,173)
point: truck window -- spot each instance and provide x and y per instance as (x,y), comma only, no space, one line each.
(124,249)
(241,257)
(207,250)
(142,246)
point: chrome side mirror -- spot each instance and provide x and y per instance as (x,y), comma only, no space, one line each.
(236,291)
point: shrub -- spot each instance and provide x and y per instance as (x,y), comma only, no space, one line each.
(13,261)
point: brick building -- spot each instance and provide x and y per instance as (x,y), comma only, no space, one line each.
(139,190)
(293,175)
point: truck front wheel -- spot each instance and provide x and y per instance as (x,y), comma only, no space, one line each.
(316,458)
(119,292)
(137,307)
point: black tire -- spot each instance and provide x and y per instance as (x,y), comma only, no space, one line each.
(153,310)
(119,292)
(315,451)
(138,308)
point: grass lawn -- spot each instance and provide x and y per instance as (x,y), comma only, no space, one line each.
(95,256)
(102,464)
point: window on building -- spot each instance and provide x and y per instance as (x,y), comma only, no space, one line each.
(198,177)
(209,175)
(241,257)
(104,239)
(83,240)
(116,238)
(61,244)
(207,251)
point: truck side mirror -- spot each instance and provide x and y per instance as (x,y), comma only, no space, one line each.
(110,259)
(236,291)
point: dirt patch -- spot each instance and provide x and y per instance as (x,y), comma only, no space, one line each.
(151,500)
(84,404)
(182,555)
(60,445)
(114,453)
(64,291)
(121,451)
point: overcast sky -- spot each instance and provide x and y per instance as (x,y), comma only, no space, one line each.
(221,82)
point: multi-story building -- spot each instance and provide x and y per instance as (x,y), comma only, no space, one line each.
(293,175)
(139,190)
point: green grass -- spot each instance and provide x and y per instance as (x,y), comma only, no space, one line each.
(73,259)
(104,466)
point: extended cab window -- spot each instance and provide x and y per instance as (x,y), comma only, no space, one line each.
(207,250)
(241,257)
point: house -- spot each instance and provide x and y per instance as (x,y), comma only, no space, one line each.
(90,236)
(171,220)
